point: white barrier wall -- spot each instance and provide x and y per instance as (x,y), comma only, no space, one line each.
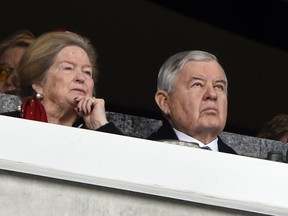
(146,167)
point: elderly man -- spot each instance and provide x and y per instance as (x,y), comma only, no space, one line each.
(192,95)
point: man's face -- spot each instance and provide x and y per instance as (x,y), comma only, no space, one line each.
(198,105)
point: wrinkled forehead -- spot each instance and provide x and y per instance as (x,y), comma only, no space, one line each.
(210,69)
(72,51)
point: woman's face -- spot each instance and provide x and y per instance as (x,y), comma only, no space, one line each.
(9,59)
(69,76)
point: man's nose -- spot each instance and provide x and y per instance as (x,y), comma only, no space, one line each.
(210,93)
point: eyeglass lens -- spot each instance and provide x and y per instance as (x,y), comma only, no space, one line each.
(5,72)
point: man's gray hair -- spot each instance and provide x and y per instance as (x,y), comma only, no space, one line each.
(173,65)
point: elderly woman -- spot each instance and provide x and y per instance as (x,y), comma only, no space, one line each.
(55,80)
(11,51)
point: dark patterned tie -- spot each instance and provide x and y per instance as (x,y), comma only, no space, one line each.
(184,143)
(206,148)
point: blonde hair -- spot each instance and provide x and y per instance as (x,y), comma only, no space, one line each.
(40,56)
(21,38)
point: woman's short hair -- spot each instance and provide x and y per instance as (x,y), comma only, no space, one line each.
(173,65)
(40,56)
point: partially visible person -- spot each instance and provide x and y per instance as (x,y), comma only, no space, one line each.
(11,50)
(55,80)
(276,128)
(192,95)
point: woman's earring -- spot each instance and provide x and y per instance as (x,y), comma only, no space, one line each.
(39,96)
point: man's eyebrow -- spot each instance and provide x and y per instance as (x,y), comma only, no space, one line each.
(221,81)
(197,78)
(194,79)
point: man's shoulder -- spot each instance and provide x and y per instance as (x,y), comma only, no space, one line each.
(164,132)
(223,147)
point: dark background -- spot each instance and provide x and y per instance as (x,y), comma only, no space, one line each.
(134,37)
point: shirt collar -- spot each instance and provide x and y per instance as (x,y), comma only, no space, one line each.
(184,137)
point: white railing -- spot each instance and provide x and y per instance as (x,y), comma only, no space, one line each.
(144,166)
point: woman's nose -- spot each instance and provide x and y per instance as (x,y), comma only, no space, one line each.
(80,76)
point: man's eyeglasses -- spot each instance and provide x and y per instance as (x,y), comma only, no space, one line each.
(5,72)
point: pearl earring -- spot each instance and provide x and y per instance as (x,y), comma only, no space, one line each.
(39,96)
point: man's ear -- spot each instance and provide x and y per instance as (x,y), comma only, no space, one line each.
(161,98)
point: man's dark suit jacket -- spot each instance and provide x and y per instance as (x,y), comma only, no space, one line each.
(108,128)
(167,132)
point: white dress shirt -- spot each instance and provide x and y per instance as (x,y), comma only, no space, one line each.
(184,137)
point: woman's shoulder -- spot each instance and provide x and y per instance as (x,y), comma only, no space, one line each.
(12,114)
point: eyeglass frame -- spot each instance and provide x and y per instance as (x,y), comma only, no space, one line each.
(5,72)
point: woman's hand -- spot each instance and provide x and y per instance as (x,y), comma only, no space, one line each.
(92,110)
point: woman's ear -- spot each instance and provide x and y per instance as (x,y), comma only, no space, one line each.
(37,88)
(161,98)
